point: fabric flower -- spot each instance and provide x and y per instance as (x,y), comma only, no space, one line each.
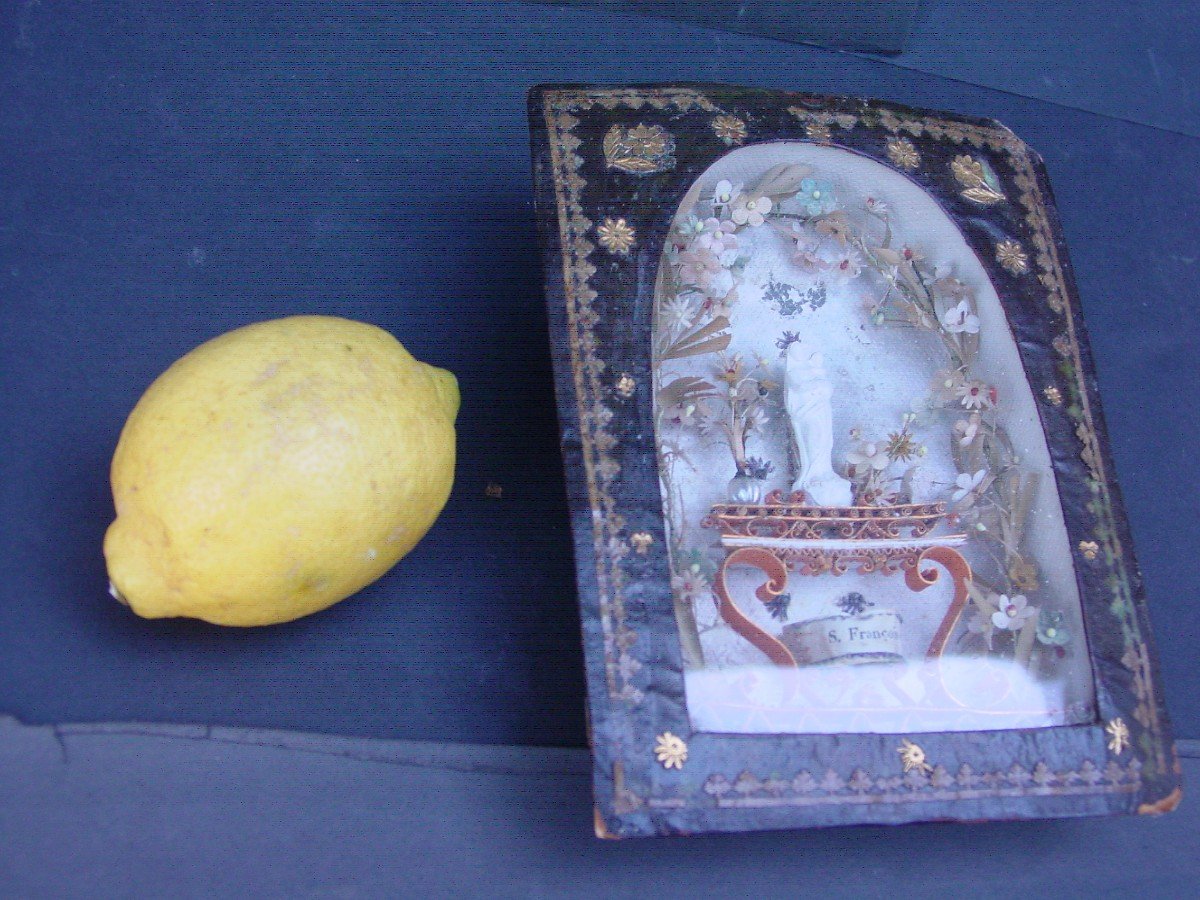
(726,192)
(718,238)
(847,265)
(958,319)
(1011,612)
(750,210)
(966,483)
(1050,629)
(967,429)
(691,227)
(806,256)
(976,395)
(816,196)
(876,206)
(869,454)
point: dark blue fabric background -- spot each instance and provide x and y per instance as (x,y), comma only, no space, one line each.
(169,172)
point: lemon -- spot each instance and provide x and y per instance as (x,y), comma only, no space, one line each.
(276,470)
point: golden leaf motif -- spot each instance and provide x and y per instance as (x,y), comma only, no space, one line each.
(1053,395)
(641,541)
(670,750)
(640,150)
(979,182)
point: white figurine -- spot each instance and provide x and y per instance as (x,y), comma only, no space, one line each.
(807,398)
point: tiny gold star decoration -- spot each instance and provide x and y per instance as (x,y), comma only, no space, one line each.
(626,385)
(1053,395)
(1012,257)
(902,153)
(1089,549)
(616,235)
(1118,736)
(670,750)
(730,129)
(641,541)
(912,757)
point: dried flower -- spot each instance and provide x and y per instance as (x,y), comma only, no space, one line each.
(788,338)
(853,604)
(1023,575)
(901,446)
(778,606)
(966,430)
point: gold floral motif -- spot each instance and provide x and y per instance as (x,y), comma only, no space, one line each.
(1089,549)
(1012,256)
(730,129)
(670,750)
(1053,395)
(818,131)
(903,153)
(626,385)
(641,541)
(1118,736)
(616,235)
(979,182)
(640,150)
(912,757)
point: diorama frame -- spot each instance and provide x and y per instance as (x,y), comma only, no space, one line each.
(611,166)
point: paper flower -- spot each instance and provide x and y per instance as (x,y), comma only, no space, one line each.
(965,484)
(1011,612)
(750,210)
(816,196)
(726,192)
(869,454)
(959,319)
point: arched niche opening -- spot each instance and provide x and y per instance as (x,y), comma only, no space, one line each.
(837,386)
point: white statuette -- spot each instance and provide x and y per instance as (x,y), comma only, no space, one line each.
(808,398)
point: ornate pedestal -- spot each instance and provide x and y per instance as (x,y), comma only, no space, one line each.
(784,535)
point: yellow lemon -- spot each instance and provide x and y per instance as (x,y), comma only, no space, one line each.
(276,470)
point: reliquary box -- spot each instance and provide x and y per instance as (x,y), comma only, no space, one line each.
(848,541)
